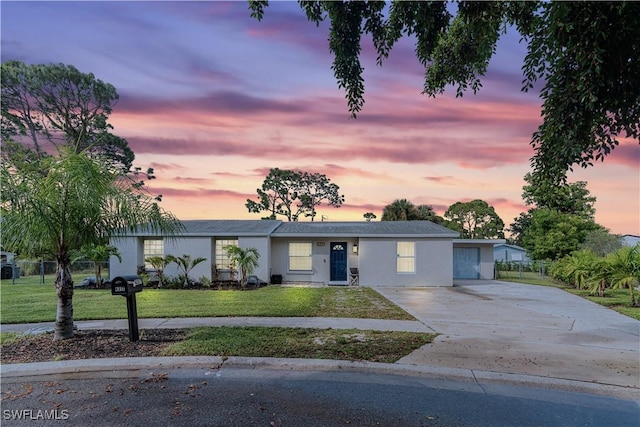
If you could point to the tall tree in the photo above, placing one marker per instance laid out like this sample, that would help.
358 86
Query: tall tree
67 202
585 53
47 106
315 188
567 198
553 235
475 220
570 197
293 193
399 210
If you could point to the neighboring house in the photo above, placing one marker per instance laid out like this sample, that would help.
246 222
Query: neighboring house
630 240
510 253
385 253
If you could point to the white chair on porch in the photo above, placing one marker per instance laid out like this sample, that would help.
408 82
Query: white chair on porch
354 277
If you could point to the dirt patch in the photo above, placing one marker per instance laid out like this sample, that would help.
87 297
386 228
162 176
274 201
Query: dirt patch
91 344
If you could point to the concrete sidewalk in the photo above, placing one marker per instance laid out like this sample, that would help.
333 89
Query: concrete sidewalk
490 330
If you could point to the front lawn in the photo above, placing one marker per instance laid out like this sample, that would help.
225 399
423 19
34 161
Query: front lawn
374 346
26 303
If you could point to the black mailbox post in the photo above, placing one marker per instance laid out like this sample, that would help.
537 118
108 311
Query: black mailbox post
129 286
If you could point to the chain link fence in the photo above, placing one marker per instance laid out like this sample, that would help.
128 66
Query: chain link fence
519 270
41 271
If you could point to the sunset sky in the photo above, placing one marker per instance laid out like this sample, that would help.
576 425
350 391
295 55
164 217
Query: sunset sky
212 99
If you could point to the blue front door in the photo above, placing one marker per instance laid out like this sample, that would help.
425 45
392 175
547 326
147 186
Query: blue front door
338 261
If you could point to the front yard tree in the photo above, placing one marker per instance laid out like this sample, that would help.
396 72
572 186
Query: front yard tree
475 220
293 193
48 106
584 54
98 254
246 259
67 202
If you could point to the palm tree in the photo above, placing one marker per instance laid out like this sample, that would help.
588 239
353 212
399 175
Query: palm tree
245 259
581 267
159 263
624 270
58 204
98 254
185 264
399 210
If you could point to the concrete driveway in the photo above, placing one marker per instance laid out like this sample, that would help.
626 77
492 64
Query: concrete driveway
523 329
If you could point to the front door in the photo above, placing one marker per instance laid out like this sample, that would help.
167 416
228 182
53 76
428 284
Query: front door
338 261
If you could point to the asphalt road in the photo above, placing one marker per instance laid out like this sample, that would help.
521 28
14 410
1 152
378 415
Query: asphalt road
273 397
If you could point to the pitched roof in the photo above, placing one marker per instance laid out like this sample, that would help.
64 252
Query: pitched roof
364 229
230 227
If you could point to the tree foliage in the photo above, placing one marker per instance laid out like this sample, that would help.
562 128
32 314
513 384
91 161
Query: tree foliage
64 203
553 235
601 242
294 193
98 254
586 55
570 197
185 264
48 106
244 258
405 210
475 220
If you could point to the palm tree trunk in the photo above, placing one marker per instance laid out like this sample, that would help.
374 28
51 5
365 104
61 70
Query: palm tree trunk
64 291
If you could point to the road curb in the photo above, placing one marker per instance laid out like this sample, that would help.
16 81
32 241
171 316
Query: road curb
145 366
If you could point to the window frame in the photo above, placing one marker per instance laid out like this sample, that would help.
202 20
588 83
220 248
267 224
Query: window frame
146 254
222 260
401 257
306 259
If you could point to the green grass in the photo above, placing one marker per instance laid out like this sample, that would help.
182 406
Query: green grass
375 346
615 299
26 303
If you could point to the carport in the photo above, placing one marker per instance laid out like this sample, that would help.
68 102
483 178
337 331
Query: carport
473 258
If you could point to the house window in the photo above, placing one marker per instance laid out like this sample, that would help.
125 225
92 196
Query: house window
152 248
406 260
300 256
222 258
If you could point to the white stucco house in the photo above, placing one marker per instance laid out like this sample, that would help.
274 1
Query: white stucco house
385 253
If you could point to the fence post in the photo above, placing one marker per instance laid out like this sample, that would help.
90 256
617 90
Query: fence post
42 271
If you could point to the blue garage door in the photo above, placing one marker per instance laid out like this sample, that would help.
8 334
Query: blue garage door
466 263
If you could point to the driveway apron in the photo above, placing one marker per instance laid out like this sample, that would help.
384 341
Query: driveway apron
523 329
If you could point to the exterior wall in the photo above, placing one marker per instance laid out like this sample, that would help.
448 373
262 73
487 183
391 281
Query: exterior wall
378 257
321 248
195 247
131 251
486 267
264 249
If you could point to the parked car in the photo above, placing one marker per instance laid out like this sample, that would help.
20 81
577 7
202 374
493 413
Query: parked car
91 283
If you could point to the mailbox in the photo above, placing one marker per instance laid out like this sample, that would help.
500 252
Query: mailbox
126 285
129 286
